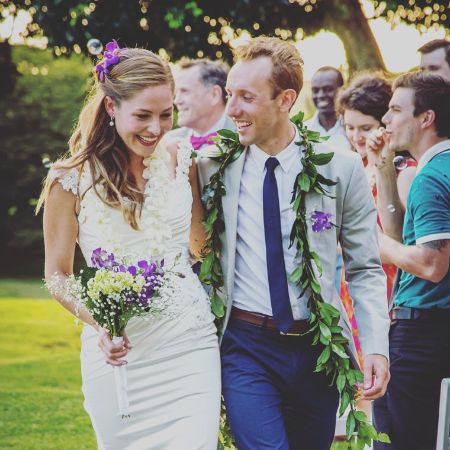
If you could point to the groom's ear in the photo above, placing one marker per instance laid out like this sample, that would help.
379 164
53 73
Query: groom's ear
287 99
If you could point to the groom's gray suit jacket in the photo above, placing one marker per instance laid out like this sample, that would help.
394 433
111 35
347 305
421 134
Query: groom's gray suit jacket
354 212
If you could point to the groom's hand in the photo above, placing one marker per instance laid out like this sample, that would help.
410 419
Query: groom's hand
376 376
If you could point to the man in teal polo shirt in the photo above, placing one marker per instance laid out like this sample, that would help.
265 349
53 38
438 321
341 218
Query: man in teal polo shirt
418 120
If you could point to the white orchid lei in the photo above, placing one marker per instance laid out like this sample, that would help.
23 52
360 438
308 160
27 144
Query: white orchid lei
154 215
155 208
154 222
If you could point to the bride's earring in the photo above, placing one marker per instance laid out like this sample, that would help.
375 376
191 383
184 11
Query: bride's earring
111 122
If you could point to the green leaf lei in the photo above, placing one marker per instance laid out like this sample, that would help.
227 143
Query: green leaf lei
324 318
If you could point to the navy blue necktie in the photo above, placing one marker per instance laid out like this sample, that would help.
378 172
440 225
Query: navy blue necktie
276 270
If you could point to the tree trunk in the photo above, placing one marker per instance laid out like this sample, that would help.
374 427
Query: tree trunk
8 72
347 20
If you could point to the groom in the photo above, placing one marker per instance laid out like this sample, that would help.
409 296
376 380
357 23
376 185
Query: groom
274 399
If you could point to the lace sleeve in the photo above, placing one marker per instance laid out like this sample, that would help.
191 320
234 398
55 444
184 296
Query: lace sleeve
184 159
68 178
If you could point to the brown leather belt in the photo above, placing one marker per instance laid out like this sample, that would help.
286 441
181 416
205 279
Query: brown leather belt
405 313
260 320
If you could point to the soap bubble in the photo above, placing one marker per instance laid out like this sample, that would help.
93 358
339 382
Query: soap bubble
46 162
94 46
391 208
400 162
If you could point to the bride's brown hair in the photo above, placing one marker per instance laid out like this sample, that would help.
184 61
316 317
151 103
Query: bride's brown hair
97 144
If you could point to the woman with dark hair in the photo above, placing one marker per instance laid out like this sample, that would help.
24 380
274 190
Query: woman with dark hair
124 190
362 104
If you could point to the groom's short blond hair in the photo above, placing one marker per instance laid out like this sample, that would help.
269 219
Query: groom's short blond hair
287 64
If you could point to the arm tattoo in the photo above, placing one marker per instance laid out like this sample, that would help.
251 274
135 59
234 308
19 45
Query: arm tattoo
437 245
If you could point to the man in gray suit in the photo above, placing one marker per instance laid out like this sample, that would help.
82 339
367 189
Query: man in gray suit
274 398
200 99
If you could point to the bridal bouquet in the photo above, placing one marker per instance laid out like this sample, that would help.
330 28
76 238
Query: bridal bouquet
114 292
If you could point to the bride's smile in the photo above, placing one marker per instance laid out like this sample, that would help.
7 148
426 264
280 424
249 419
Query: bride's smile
142 120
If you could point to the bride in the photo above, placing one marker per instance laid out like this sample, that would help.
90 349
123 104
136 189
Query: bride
123 191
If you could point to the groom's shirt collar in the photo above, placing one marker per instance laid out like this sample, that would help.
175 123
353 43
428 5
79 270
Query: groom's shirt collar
286 157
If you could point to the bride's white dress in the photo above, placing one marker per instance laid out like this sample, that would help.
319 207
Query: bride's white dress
173 367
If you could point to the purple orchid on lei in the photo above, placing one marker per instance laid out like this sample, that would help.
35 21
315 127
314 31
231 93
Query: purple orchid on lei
321 221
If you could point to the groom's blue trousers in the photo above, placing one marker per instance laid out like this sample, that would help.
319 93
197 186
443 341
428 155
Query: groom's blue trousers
274 399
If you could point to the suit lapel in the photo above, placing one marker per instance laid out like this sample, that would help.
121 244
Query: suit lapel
230 202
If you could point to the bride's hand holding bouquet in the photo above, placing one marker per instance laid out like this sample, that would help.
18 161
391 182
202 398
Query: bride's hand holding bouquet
114 292
114 353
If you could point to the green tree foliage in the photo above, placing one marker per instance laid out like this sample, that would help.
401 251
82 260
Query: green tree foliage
423 14
202 27
35 123
37 115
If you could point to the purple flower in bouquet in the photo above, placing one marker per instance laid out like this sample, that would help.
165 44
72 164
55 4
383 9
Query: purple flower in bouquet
321 221
133 270
102 259
112 285
148 268
153 274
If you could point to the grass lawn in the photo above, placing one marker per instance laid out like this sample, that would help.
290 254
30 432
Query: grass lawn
23 288
41 404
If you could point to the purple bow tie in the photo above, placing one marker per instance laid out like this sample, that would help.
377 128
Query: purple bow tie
198 141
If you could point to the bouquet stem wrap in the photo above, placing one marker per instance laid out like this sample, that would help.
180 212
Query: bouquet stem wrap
120 377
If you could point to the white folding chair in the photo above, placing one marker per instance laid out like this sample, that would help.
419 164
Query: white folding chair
443 440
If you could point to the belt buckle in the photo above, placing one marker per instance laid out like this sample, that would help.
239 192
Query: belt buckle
289 334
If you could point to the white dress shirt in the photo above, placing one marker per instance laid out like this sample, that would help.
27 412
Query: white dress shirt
219 125
251 285
338 138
